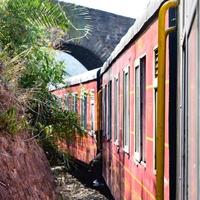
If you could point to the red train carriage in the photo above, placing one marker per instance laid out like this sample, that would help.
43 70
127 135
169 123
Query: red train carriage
130 104
129 98
188 102
81 96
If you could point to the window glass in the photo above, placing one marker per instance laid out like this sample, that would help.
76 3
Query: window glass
143 106
140 110
75 103
70 102
155 83
137 111
126 125
84 111
109 131
92 110
105 111
116 109
66 100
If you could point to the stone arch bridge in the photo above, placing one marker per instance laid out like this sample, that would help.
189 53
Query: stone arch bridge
106 30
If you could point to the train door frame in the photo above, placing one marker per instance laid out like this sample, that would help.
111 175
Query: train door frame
198 63
185 29
181 104
198 35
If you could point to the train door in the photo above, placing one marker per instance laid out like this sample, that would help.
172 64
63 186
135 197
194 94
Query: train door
188 102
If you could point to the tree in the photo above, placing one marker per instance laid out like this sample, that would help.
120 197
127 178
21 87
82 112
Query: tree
27 29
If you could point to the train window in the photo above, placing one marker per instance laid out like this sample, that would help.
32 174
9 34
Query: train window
109 131
92 110
140 102
66 101
155 85
84 111
59 101
137 113
71 102
126 110
105 110
75 104
143 106
116 106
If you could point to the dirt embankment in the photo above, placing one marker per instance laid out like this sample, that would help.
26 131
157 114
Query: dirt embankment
25 171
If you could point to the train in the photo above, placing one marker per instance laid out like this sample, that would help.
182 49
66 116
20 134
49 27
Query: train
141 108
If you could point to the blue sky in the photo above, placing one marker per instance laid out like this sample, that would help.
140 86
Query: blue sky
129 8
73 66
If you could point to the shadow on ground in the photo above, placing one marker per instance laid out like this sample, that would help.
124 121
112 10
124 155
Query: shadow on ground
83 173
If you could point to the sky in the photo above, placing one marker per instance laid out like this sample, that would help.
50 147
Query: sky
129 8
73 66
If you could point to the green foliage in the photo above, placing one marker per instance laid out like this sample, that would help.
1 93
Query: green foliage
26 23
11 123
52 124
42 13
30 68
42 69
51 120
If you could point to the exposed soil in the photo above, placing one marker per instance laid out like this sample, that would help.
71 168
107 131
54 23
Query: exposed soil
25 171
76 184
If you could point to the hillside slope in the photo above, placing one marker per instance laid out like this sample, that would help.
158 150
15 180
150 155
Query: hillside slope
25 171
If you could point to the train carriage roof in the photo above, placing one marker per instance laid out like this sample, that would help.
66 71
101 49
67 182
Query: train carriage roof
84 77
77 79
133 31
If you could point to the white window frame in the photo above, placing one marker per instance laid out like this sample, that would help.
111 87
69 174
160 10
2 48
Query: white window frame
92 112
137 154
75 102
155 86
71 101
104 101
66 101
109 110
84 115
116 109
126 147
143 161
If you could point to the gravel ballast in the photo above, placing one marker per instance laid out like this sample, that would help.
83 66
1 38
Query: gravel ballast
68 187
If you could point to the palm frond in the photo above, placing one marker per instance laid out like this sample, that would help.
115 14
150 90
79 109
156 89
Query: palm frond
48 14
43 13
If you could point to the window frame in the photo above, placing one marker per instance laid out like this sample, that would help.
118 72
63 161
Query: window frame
92 111
109 112
66 101
144 141
138 155
75 102
155 89
116 110
126 147
104 110
83 111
